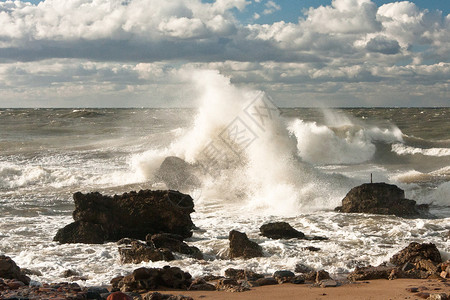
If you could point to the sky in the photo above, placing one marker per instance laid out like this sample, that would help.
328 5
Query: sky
146 53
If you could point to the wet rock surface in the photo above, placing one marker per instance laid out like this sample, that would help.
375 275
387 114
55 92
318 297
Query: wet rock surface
101 218
280 230
241 246
9 270
143 280
380 198
174 243
137 252
417 261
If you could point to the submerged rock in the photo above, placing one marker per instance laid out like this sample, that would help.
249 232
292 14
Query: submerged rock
101 218
177 174
241 246
9 270
173 242
380 198
137 252
280 230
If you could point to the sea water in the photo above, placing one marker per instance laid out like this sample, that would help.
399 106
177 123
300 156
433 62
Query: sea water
259 164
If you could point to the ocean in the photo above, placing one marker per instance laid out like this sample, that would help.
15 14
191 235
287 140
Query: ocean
259 164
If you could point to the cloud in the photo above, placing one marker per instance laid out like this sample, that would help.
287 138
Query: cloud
114 47
271 7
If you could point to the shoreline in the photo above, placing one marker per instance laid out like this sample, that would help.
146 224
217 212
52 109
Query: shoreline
381 289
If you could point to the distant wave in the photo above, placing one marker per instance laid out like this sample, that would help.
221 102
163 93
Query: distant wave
402 149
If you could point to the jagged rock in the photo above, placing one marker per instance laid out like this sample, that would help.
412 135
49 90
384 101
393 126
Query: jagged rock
174 243
241 246
200 284
283 276
240 274
9 270
159 296
415 253
316 276
266 281
230 285
380 198
301 268
101 218
328 283
137 252
369 273
146 279
177 174
280 230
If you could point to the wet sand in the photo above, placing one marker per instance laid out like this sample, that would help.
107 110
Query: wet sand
372 289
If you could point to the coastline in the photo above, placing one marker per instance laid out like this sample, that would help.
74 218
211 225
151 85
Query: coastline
381 289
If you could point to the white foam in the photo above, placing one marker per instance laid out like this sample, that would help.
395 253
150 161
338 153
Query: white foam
402 149
346 143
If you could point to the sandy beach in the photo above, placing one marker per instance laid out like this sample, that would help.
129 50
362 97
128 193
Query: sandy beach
372 289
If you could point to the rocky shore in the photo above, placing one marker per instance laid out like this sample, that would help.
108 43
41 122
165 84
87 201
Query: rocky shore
151 226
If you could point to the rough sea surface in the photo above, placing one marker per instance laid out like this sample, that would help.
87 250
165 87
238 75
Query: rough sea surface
261 164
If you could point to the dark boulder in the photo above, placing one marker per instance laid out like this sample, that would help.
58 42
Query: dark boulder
380 198
146 279
415 253
177 174
369 273
418 261
137 252
9 270
101 218
174 243
241 274
280 230
241 246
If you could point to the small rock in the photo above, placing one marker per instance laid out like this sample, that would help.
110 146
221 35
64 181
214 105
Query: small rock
241 246
266 281
118 296
412 289
440 296
328 283
423 295
301 268
283 276
312 249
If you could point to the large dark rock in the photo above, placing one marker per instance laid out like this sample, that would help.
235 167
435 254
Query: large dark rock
280 230
101 218
415 252
380 198
419 261
9 270
241 246
177 174
174 243
146 279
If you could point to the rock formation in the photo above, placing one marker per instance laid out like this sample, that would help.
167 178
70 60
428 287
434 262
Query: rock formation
280 230
380 198
9 270
101 218
241 246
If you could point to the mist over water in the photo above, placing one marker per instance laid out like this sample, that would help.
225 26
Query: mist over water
255 162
